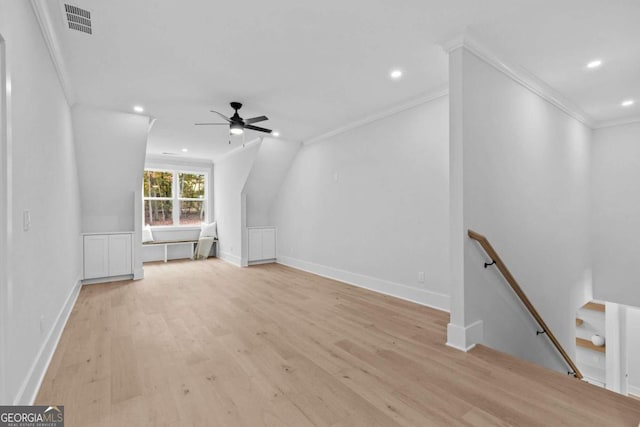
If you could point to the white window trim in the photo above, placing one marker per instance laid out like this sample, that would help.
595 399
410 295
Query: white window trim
176 200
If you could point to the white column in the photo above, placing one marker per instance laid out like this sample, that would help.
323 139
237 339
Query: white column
616 354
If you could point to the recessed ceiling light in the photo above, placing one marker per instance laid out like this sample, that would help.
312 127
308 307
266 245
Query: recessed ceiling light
395 74
628 103
594 64
138 109
184 150
275 133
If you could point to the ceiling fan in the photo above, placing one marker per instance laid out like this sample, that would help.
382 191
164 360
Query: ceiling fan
237 124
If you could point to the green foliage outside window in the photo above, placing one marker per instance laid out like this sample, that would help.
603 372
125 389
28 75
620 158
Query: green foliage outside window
160 196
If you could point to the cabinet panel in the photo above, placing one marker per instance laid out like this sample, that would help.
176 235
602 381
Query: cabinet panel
255 244
119 254
268 243
96 256
107 255
262 243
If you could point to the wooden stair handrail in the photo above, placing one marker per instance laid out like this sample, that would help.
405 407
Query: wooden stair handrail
484 242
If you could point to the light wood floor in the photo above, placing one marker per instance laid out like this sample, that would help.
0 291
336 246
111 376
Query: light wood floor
206 343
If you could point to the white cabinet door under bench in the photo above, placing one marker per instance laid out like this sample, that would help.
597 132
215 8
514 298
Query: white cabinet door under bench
262 244
107 257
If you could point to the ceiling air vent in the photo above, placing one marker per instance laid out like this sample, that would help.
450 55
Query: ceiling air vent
78 19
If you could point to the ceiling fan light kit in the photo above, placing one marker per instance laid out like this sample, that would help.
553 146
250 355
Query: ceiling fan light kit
237 124
235 129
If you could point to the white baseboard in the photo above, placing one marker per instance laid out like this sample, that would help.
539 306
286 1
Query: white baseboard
593 381
31 384
634 390
397 290
108 279
138 273
464 338
264 261
230 258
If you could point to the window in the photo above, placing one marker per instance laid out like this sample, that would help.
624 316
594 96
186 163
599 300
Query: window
174 198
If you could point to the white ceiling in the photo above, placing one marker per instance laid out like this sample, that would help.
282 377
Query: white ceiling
313 67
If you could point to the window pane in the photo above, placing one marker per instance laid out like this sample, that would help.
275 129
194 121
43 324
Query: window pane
191 212
158 212
157 184
191 186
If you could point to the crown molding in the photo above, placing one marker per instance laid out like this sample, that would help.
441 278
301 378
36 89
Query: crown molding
46 23
519 75
432 96
152 121
455 43
617 122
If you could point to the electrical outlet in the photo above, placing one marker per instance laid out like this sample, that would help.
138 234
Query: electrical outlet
336 176
421 276
42 323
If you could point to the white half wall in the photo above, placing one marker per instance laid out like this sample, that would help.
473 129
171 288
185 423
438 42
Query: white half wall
524 167
111 150
370 206
229 177
615 220
45 258
633 350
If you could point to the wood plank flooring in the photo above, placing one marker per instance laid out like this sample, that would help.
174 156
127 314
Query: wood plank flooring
209 344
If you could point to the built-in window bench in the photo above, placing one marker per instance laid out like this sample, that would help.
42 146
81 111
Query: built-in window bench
190 243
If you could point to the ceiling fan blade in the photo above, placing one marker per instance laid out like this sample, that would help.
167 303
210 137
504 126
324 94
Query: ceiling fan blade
259 129
209 124
256 120
222 115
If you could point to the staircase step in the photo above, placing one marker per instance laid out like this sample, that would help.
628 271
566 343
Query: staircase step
581 342
579 321
594 306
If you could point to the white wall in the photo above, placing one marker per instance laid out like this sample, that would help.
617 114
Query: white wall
111 150
370 206
267 174
45 260
615 211
525 184
229 177
4 215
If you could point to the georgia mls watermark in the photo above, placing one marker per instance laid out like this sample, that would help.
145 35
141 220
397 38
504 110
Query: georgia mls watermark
32 416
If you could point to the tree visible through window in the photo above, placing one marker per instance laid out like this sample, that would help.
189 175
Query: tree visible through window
191 198
174 198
